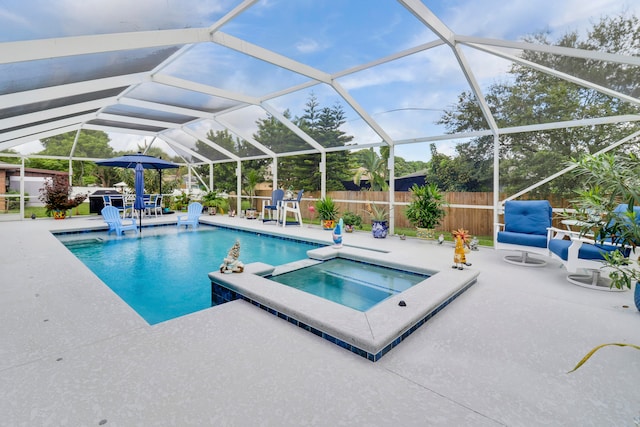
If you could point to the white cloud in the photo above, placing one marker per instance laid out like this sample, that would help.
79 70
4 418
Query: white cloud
307 45
29 147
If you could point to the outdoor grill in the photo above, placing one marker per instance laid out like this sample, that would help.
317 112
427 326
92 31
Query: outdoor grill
96 202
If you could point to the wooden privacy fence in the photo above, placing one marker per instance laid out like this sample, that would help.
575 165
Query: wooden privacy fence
472 211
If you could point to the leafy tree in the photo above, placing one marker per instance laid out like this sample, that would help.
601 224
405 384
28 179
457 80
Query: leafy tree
322 124
532 97
90 144
403 167
12 160
224 174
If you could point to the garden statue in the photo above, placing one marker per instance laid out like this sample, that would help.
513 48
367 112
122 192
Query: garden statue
473 245
231 262
461 237
337 234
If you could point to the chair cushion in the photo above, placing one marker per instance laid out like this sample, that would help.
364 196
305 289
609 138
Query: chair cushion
523 239
587 251
528 217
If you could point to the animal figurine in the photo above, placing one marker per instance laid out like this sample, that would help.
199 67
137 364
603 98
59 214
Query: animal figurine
473 245
337 234
231 263
461 239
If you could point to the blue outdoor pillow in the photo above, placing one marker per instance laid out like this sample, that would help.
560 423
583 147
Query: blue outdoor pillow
527 216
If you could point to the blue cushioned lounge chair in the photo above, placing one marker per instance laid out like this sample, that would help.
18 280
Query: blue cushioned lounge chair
578 252
525 229
193 215
111 216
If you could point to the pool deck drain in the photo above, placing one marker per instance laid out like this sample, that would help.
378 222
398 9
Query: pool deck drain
370 334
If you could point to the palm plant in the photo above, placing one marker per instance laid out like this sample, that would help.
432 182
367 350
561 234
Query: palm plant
377 213
375 167
611 180
327 212
252 178
327 209
426 208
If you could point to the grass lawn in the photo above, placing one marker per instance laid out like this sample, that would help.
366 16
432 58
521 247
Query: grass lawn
41 211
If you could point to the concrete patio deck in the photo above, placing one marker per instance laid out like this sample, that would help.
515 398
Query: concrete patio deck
74 354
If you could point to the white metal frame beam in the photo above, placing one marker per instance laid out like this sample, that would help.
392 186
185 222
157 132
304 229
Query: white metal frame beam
198 136
32 50
71 89
556 50
559 74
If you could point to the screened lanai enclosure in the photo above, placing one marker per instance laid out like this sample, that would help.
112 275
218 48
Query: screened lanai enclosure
213 84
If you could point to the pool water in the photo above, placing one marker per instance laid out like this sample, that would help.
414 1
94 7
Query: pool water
354 284
164 274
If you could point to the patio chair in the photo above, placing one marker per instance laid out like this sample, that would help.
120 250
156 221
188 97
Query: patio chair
111 216
127 206
191 218
154 205
292 206
116 201
525 229
583 257
272 207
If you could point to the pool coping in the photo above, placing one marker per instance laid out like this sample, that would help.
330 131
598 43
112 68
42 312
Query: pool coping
371 333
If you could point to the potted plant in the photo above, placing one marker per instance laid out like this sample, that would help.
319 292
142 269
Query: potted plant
181 201
215 203
351 220
613 179
56 196
208 202
327 212
426 210
379 220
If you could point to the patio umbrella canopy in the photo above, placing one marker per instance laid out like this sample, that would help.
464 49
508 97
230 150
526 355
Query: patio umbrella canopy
131 160
139 162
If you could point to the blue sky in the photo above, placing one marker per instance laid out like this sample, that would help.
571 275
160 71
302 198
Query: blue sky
406 97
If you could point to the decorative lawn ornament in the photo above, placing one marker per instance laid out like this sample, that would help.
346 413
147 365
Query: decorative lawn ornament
474 244
337 234
231 263
461 238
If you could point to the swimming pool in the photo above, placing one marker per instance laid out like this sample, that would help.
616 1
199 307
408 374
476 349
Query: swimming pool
163 275
353 284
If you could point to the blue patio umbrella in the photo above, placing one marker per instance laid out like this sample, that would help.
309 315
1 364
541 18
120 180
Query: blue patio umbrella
138 204
130 161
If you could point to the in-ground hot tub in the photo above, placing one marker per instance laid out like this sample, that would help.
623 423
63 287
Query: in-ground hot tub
370 333
355 284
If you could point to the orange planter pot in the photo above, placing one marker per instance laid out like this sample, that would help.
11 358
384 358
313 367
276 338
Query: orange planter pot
328 224
59 214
